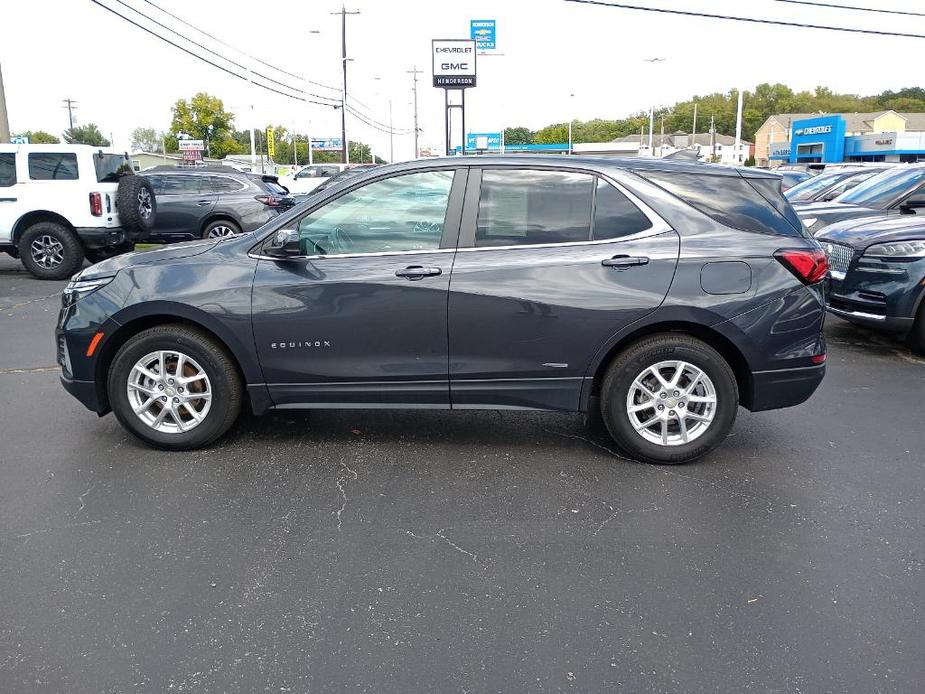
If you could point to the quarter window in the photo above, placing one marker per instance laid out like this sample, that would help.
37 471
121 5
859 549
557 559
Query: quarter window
7 169
402 213
48 166
224 184
527 207
615 215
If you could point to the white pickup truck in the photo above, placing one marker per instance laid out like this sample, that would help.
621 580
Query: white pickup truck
62 203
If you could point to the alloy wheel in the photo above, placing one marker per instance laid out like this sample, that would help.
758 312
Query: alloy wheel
220 231
47 251
144 203
671 403
169 391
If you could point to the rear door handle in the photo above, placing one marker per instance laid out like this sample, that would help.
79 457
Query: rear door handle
625 261
418 272
203 203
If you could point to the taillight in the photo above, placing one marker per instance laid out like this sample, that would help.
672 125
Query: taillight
809 264
96 204
270 200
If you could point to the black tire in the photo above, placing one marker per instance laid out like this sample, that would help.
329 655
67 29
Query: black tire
223 225
137 203
50 251
632 362
215 361
98 255
916 337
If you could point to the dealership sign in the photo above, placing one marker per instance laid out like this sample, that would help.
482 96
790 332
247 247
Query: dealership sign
453 63
817 130
191 145
327 144
483 141
483 32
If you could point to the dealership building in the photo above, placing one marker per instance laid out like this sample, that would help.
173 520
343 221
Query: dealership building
809 138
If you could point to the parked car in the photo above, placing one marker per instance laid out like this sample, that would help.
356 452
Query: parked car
62 203
310 177
877 268
829 185
899 190
666 293
208 202
792 178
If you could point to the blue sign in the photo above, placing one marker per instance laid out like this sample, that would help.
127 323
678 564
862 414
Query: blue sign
483 141
328 144
483 32
819 139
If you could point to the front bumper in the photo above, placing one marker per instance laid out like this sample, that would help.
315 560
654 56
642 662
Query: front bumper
86 392
878 294
772 390
873 320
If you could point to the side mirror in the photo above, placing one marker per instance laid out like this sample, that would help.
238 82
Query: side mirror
913 203
284 244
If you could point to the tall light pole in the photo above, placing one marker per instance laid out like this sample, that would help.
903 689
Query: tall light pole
4 120
738 147
652 61
391 128
415 72
345 150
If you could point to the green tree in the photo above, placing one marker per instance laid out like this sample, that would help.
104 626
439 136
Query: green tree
88 134
146 140
518 136
39 137
204 118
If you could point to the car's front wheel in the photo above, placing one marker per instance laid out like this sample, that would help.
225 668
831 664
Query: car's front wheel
174 387
669 398
219 229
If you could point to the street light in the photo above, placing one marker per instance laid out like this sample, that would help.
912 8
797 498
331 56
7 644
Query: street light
652 61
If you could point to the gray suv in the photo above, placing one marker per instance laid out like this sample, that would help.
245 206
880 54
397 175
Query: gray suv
210 202
664 293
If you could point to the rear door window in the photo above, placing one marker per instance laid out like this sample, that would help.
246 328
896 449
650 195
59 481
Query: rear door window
50 166
615 215
7 169
523 207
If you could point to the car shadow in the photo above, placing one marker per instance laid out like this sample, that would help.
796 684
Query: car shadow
861 340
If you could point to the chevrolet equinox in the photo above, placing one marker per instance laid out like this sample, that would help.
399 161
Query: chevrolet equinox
665 293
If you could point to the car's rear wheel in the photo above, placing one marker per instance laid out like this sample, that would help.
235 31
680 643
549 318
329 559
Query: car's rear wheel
50 251
669 398
219 229
174 387
917 334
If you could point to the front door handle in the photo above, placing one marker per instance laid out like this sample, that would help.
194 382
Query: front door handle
418 272
625 261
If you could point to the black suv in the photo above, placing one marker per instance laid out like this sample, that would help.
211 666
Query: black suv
668 293
210 202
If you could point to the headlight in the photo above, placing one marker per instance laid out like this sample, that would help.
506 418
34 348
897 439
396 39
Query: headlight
897 249
78 288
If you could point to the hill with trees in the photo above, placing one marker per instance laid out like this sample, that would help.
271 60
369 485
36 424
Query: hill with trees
764 101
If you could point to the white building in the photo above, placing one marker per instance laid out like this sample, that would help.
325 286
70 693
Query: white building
719 148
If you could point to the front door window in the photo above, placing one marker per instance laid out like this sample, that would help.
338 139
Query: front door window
402 213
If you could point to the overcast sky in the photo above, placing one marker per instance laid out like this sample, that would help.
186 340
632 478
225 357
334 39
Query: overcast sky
548 49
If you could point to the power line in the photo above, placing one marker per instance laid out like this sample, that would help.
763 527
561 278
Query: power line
204 59
753 20
254 58
373 124
852 7
229 60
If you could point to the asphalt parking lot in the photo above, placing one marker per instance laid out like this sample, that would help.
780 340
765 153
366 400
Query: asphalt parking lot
460 552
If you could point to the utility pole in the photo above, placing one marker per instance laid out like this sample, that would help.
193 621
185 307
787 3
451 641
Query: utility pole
415 72
738 148
71 106
4 120
661 144
345 150
712 138
694 133
391 136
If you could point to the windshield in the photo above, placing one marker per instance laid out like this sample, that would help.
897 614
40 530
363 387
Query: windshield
107 166
808 189
879 191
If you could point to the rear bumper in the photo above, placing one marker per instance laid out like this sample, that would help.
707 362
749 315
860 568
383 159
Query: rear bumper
93 237
772 390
